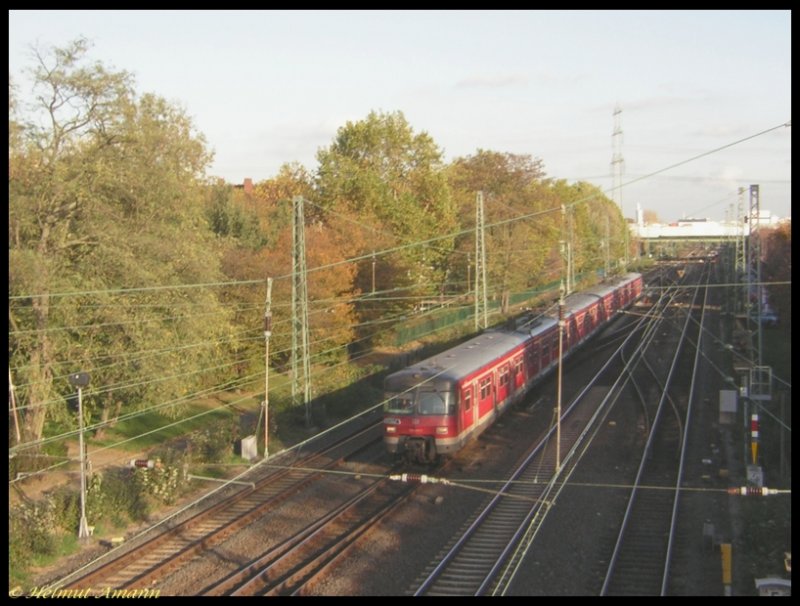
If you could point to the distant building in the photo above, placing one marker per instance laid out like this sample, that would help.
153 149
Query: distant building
700 227
247 186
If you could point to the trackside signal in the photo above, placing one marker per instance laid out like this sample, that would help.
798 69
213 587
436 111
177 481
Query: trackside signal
145 463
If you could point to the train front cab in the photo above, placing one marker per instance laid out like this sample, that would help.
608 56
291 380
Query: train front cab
420 420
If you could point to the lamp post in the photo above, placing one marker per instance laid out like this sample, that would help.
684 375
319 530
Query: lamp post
81 380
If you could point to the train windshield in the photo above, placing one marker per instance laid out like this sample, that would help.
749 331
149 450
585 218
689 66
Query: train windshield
401 403
432 403
420 402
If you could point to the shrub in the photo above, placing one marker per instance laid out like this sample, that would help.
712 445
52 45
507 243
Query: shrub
65 505
31 532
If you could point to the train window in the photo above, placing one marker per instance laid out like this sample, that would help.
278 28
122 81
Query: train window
432 403
467 399
518 365
486 388
504 376
402 403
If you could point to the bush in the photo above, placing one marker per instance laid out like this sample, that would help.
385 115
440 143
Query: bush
113 495
66 508
31 533
215 443
162 483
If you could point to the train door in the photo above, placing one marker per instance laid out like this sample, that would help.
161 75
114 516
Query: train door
534 359
503 383
586 327
517 373
486 396
469 411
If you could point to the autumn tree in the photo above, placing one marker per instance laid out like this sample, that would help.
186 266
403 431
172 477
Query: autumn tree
330 278
594 226
518 212
106 209
390 180
777 245
230 220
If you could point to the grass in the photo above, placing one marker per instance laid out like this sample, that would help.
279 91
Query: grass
152 429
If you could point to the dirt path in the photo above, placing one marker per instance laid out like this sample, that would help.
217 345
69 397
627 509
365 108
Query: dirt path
35 486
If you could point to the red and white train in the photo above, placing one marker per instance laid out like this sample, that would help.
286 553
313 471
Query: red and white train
434 407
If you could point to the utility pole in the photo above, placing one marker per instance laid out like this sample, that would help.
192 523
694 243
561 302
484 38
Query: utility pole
570 261
12 401
267 335
741 256
617 162
300 352
560 365
617 170
481 313
469 272
81 380
755 261
564 249
608 248
373 272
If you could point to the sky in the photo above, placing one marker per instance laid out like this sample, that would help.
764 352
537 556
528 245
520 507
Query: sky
266 88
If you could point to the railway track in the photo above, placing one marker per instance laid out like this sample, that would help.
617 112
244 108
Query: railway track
302 560
643 550
489 550
487 554
155 556
481 555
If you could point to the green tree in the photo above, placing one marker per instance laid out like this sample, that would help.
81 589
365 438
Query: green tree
47 183
230 220
594 225
390 181
106 195
518 213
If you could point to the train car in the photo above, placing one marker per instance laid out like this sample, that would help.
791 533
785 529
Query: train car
433 408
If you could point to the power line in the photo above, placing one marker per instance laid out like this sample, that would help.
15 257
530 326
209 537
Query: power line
405 246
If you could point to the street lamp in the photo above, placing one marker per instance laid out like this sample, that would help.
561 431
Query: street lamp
81 380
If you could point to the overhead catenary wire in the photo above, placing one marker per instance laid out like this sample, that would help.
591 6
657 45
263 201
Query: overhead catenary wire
254 282
110 388
190 396
131 360
428 241
154 408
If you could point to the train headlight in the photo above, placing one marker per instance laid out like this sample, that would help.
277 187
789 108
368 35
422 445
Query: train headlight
391 429
441 431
